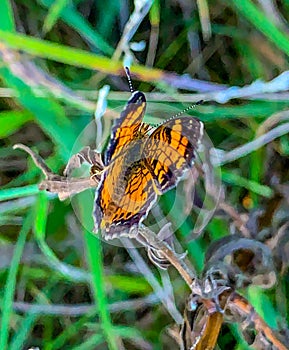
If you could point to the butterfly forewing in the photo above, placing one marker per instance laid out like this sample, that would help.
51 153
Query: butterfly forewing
126 126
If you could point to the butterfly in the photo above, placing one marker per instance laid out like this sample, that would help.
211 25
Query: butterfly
139 165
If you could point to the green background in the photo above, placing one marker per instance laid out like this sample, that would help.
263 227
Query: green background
62 287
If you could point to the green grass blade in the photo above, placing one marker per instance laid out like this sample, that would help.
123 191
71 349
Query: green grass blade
259 20
24 329
17 192
72 56
256 171
128 332
263 305
41 216
11 121
94 252
95 261
53 14
70 331
130 284
90 343
108 14
72 18
11 282
6 16
250 185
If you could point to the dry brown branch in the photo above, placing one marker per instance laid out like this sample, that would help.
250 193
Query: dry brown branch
239 306
238 220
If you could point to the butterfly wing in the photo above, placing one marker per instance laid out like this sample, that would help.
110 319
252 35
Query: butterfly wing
126 126
170 150
124 198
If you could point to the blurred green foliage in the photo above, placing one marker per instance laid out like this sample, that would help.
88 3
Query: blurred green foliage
55 56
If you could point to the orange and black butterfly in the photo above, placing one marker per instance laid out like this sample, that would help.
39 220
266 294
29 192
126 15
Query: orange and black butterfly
139 165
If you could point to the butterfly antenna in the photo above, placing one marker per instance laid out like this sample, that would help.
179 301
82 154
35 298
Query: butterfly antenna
189 108
127 72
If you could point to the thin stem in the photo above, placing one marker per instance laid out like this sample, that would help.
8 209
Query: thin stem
168 253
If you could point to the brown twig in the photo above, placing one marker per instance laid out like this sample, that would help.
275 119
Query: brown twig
240 306
239 222
168 253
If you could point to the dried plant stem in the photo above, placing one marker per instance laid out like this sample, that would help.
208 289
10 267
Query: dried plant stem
238 304
168 253
238 220
235 303
249 147
211 332
82 309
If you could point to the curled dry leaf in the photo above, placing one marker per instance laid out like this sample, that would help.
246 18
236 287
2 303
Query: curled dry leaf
244 261
65 186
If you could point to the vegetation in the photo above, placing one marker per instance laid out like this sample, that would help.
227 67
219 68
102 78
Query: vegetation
62 84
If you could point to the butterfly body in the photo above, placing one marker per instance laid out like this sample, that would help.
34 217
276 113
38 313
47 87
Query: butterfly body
140 165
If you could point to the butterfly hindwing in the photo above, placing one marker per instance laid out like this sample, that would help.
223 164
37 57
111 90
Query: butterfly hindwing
171 149
124 197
